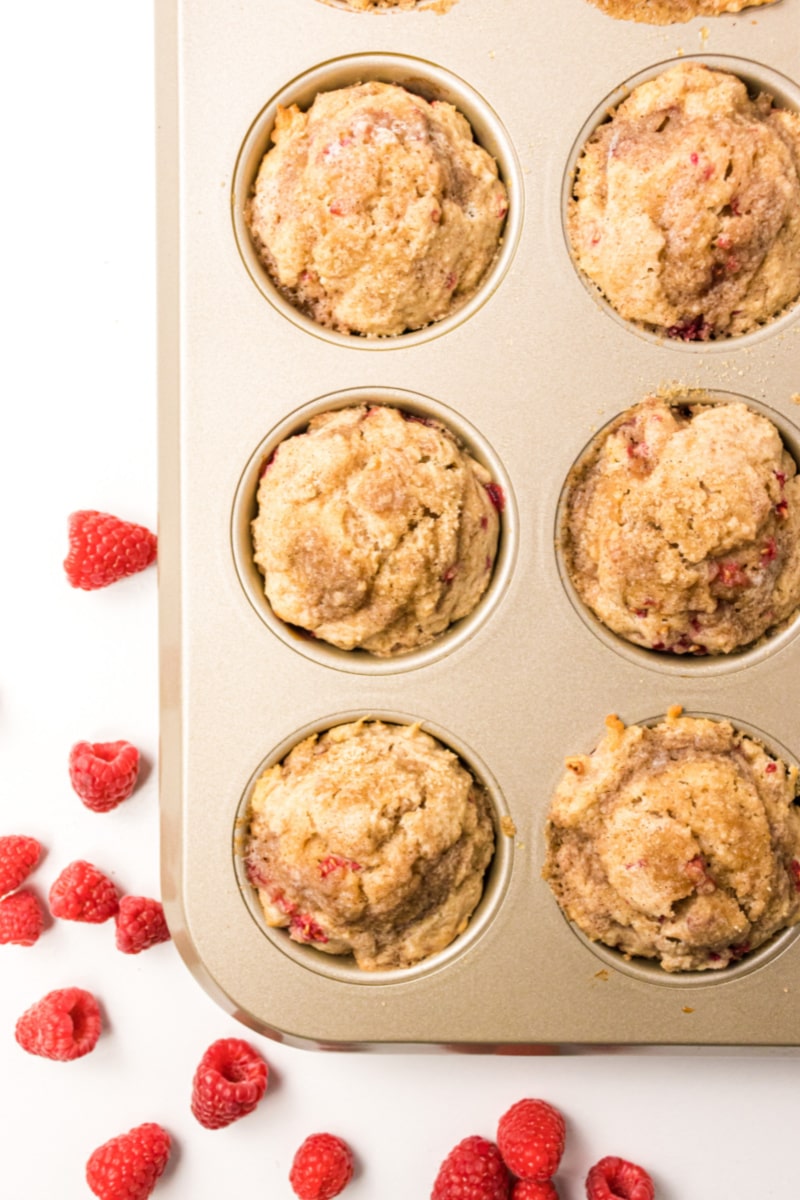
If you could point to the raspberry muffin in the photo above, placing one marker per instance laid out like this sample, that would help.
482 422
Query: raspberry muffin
669 12
678 842
370 840
682 527
686 206
375 529
376 212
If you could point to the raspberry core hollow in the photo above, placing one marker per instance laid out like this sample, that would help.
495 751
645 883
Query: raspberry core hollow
376 212
686 206
682 526
678 842
375 529
370 839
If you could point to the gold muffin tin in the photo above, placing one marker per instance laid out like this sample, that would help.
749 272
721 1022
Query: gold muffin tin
526 373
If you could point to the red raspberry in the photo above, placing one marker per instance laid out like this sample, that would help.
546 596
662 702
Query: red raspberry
103 773
531 1139
63 1025
140 924
531 1189
128 1167
82 893
228 1084
21 919
103 549
322 1167
615 1179
18 856
473 1170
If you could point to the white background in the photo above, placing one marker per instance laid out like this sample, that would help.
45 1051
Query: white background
79 431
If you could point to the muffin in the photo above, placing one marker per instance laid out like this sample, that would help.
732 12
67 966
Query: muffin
376 212
370 840
678 842
685 210
375 529
667 12
682 527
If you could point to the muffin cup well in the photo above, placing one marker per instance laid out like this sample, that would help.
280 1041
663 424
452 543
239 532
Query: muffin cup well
648 970
343 968
758 78
415 75
696 666
360 661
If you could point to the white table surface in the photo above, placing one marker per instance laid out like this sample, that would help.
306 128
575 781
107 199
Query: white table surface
79 431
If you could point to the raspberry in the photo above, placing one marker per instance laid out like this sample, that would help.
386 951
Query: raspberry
82 893
21 919
615 1179
103 549
103 773
322 1167
63 1025
140 924
531 1139
128 1167
473 1170
228 1084
530 1189
18 856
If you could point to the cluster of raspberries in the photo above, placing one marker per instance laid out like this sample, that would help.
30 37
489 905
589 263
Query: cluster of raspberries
521 1163
65 1024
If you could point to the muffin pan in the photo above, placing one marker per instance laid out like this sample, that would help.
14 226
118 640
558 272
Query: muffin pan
526 374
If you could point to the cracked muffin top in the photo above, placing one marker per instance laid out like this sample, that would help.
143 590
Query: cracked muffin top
375 529
686 206
668 12
376 212
678 842
370 839
682 527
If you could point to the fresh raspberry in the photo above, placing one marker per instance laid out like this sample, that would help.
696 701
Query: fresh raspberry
103 549
63 1025
228 1084
322 1167
128 1167
103 773
473 1170
82 893
140 924
21 919
531 1139
531 1189
18 856
615 1179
